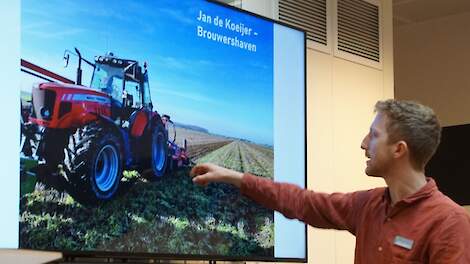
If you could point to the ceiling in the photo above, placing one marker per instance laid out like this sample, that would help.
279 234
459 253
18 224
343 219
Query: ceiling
415 11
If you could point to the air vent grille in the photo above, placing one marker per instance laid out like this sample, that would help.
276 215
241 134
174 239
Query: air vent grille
358 28
309 15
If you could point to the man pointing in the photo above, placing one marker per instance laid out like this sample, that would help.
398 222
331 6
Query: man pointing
409 221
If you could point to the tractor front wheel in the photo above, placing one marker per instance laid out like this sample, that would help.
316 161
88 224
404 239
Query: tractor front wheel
96 168
105 169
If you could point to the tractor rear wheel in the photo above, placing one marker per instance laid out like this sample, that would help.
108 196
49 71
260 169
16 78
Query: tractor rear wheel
158 152
96 165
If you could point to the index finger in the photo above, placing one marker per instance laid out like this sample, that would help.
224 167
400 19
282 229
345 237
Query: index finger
199 169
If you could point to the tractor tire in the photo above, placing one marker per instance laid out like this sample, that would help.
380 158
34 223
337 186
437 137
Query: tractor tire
158 152
95 167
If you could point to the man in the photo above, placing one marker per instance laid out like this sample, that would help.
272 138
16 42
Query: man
165 119
410 221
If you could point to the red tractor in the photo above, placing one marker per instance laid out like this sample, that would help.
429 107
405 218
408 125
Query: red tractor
91 134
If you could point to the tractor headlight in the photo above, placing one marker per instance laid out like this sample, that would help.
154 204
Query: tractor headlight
45 113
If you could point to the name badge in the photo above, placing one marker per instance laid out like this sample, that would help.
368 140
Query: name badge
403 242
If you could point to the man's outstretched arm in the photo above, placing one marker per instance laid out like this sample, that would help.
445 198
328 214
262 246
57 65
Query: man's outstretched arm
337 211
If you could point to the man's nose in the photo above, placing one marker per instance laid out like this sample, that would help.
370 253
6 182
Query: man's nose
364 142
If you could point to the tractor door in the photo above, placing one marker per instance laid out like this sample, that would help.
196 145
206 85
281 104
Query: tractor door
132 94
139 115
132 91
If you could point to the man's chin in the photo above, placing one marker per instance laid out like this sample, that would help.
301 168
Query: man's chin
372 173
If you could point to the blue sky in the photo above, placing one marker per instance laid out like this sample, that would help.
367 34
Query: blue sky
197 81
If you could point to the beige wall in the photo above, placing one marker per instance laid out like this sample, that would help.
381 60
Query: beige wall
432 65
340 96
265 8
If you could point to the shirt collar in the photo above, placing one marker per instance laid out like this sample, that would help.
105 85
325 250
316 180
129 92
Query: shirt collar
425 191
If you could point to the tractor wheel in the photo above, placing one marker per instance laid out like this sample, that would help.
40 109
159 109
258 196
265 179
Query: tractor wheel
95 166
158 151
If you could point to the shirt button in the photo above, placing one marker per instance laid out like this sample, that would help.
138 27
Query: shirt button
389 219
379 249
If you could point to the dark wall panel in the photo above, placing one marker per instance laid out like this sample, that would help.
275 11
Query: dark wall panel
450 166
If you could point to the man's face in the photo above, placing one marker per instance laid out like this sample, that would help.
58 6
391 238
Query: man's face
377 148
164 120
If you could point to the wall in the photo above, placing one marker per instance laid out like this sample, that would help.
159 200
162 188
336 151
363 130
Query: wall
432 65
265 8
432 61
340 99
341 95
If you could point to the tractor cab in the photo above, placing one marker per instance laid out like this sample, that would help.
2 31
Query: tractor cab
124 80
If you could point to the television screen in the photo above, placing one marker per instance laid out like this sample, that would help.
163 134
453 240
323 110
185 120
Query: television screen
119 99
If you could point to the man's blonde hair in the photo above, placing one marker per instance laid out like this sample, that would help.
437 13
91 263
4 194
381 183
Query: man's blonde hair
415 124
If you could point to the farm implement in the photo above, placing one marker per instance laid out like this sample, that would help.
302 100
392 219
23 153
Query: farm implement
85 137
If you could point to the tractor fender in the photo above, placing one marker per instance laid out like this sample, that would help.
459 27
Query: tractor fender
139 121
122 135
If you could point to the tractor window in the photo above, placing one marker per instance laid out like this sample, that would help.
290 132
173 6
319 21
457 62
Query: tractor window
147 100
133 91
108 80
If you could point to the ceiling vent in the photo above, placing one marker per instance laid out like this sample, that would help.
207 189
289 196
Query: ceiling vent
309 15
358 28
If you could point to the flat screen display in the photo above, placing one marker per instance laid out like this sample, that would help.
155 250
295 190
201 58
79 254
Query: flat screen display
120 99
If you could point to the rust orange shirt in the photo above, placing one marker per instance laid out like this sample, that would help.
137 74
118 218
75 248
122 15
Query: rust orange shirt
426 227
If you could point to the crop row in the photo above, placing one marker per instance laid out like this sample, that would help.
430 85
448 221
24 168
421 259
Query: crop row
257 161
197 151
242 157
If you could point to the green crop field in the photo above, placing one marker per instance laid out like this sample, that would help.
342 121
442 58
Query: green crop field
243 157
168 216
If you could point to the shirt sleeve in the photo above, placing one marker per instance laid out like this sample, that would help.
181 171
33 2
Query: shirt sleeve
450 243
334 211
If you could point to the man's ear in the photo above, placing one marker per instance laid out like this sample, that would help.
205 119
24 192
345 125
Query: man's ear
401 149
